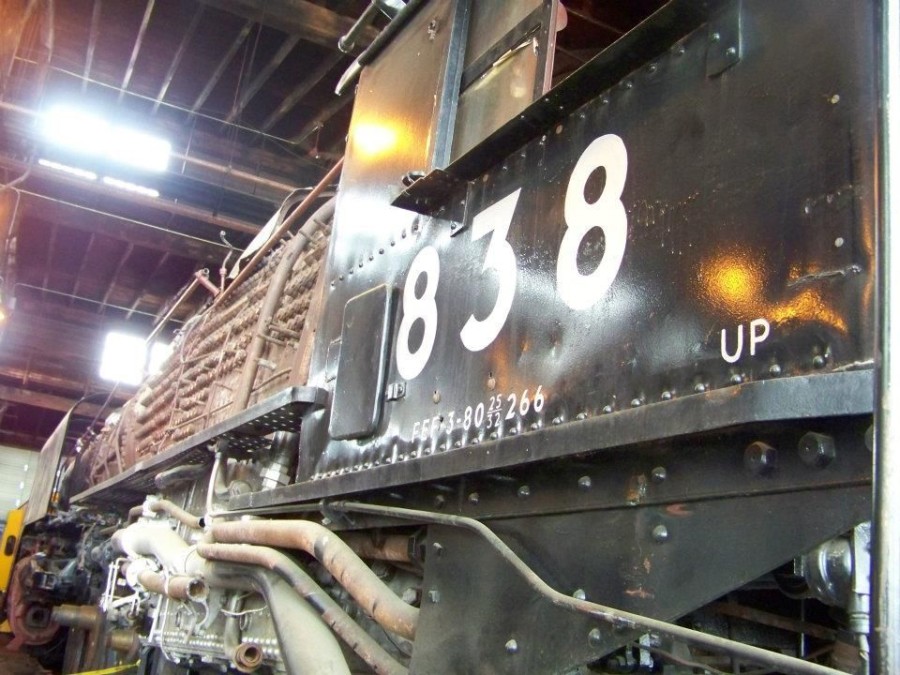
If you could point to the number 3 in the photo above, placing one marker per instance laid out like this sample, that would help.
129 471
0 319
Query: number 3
577 290
478 334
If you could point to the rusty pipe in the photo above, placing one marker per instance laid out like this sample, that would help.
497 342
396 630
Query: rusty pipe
393 548
181 587
169 508
297 625
366 647
379 601
273 297
283 229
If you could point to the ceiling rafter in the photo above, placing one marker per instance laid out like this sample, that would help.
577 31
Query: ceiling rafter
96 11
223 64
179 54
301 90
138 42
253 88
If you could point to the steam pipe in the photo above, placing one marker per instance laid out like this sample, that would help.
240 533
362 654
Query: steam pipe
292 616
170 509
379 601
283 229
393 548
273 297
174 587
331 613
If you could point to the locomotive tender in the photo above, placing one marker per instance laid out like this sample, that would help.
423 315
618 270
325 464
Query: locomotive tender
564 379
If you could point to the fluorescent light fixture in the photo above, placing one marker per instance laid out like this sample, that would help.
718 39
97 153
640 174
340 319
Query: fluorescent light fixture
71 170
93 136
123 358
130 187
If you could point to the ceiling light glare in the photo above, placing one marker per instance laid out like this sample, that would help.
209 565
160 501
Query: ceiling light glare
123 358
71 170
90 135
130 187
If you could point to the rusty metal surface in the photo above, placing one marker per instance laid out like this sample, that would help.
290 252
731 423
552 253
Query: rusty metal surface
196 388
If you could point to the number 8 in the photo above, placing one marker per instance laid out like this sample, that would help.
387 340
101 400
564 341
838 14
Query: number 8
580 291
409 363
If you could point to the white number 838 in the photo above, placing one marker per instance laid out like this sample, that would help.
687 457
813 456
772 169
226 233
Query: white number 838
578 291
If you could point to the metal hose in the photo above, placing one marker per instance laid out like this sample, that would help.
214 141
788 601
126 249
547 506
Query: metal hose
379 601
332 614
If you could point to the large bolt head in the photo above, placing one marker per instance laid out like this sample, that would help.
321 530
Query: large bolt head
760 458
816 449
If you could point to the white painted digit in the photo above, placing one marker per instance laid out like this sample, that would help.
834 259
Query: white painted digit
424 308
581 291
478 334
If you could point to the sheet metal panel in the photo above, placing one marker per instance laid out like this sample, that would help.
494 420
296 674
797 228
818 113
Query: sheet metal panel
746 253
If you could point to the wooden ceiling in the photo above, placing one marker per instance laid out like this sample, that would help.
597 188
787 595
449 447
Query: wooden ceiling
243 91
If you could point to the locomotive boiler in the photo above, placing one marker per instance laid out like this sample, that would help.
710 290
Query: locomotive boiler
564 379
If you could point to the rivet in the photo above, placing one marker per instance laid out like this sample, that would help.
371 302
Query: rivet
474 498
607 409
652 67
731 51
737 378
534 426
838 242
434 596
491 382
595 638
579 594
660 533
436 396
523 492
635 402
493 436
666 396
679 50
371 257
381 251
659 474
581 416
585 482
818 361
439 501
774 369
438 549
699 387
511 647
557 420
715 37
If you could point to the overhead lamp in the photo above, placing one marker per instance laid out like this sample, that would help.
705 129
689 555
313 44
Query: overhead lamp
90 135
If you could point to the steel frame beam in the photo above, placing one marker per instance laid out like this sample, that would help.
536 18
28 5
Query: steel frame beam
179 54
223 64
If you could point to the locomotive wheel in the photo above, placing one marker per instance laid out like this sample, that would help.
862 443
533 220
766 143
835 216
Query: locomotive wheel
29 613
